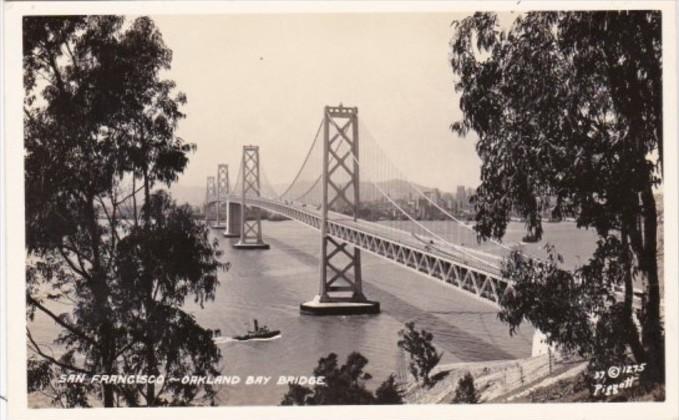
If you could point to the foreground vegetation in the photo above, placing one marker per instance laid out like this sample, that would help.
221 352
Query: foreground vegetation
569 105
100 138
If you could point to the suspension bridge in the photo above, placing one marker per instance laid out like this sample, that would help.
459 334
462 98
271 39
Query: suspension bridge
328 195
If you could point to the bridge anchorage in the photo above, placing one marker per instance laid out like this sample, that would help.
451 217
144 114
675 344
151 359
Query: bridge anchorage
341 289
250 216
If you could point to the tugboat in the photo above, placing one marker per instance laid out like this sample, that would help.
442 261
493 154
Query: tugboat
530 238
259 333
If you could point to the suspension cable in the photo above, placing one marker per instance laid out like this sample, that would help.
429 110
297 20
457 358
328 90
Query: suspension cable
441 209
306 159
318 179
454 246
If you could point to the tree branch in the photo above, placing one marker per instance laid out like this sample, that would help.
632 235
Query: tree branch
60 321
73 59
109 217
124 349
57 74
37 349
79 256
130 195
72 264
632 332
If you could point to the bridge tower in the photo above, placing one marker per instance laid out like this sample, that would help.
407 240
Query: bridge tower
222 190
250 217
341 289
231 225
210 193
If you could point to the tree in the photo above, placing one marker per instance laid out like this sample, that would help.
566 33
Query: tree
159 265
389 392
423 354
466 391
343 385
97 119
569 105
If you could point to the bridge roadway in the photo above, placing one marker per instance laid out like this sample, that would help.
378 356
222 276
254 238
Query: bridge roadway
480 279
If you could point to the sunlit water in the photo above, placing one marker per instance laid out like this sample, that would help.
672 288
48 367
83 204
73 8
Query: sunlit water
270 284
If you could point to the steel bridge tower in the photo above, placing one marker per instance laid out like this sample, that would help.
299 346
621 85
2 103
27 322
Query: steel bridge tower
250 217
341 288
210 193
222 191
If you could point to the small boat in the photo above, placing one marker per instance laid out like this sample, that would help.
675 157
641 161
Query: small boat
530 238
258 333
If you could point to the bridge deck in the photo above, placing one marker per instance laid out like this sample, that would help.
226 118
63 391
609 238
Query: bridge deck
478 278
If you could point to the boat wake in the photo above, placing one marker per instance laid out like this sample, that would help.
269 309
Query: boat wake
224 340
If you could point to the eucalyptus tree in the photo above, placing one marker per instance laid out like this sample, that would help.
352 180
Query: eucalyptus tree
345 384
100 128
569 105
423 355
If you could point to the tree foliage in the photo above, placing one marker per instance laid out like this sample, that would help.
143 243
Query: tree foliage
423 355
389 392
466 392
591 320
569 105
343 385
99 132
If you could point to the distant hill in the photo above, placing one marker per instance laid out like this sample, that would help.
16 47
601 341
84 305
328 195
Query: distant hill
396 188
193 195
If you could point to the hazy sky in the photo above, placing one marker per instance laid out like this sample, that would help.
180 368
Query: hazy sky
264 79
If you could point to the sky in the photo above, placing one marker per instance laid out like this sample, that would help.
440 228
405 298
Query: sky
264 80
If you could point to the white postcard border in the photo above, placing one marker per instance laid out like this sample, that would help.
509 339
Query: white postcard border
14 213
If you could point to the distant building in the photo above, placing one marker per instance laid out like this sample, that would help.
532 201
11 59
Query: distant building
461 195
433 195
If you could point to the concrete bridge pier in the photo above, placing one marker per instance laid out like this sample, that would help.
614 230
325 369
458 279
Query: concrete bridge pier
232 220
